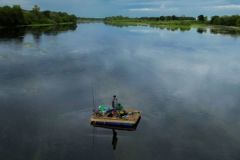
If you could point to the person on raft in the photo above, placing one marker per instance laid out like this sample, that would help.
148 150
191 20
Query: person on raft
117 108
114 102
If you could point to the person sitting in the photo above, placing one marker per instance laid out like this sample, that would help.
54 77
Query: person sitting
114 102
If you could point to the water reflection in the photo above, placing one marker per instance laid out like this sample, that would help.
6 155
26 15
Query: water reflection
114 139
114 131
201 30
186 84
162 27
173 28
18 33
232 31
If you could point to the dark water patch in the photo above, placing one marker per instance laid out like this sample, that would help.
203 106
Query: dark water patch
18 33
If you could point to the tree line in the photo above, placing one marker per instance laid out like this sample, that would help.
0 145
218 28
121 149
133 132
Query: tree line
15 15
233 20
226 20
161 18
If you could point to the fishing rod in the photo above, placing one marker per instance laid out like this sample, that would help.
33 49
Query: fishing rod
93 98
93 109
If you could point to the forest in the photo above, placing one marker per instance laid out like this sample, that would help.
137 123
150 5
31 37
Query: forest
16 16
233 20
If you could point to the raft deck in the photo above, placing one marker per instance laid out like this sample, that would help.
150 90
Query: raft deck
129 122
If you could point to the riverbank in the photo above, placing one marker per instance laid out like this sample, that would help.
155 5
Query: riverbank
171 24
90 20
16 16
174 21
183 25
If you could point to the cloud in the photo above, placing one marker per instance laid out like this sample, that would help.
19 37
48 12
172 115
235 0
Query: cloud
162 7
144 3
143 9
227 7
223 9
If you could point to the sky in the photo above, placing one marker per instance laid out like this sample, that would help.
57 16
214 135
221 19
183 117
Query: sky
134 8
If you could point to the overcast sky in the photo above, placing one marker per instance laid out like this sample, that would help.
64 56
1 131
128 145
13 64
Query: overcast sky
103 8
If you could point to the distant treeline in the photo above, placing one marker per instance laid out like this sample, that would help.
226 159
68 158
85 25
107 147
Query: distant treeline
161 18
226 20
233 20
15 15
90 19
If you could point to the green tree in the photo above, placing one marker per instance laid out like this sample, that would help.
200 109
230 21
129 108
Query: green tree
215 20
238 22
174 17
46 14
162 18
201 18
36 13
36 9
18 15
11 16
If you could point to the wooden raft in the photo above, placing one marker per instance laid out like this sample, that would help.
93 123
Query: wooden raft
130 121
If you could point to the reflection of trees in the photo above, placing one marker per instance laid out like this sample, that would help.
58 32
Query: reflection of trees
201 30
226 31
170 28
173 28
184 28
18 33
216 30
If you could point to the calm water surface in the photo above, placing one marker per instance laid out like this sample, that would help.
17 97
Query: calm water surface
186 84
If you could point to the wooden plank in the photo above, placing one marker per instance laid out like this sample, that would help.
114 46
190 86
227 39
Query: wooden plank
132 118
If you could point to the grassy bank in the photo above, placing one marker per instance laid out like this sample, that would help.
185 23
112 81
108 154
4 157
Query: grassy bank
173 21
173 25
153 22
170 23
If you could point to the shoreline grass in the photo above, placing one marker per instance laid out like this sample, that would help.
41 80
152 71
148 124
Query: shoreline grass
171 23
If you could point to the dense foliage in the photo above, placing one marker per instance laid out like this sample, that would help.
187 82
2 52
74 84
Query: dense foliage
15 15
152 21
202 18
161 18
233 20
90 19
226 20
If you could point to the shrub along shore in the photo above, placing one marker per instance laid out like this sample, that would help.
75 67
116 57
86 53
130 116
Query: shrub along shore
16 16
200 21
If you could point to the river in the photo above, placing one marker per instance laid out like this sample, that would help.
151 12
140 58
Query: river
186 83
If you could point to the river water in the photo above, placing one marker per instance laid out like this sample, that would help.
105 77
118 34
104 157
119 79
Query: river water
186 83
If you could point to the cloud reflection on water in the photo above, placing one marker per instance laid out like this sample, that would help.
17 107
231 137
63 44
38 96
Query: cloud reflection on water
186 84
